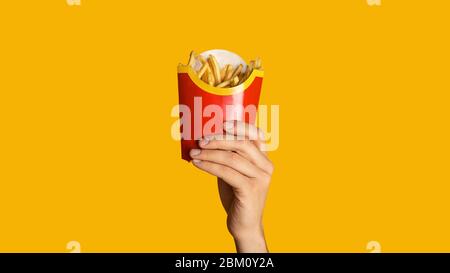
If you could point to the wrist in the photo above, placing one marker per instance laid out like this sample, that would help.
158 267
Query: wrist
250 241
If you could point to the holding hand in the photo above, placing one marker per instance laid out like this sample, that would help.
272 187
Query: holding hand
244 172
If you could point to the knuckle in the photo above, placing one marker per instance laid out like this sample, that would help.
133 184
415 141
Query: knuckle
243 144
212 144
215 167
217 144
204 154
270 168
259 187
222 157
233 156
265 178
222 170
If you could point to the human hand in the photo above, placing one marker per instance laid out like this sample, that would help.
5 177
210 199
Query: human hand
244 172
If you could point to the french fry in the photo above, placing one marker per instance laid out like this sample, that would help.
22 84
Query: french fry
202 70
228 72
249 69
247 72
205 76
241 77
201 59
192 59
223 84
204 62
215 68
210 78
258 63
223 73
235 81
237 71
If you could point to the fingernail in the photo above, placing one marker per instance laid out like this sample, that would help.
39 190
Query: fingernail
204 142
228 125
195 152
196 161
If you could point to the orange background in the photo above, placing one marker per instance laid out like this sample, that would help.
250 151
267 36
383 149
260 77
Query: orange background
85 147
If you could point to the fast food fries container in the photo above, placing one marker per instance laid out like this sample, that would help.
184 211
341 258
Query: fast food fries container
204 108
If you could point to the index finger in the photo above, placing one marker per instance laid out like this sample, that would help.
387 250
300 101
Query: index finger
245 130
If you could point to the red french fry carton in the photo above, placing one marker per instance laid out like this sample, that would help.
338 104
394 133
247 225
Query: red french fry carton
204 108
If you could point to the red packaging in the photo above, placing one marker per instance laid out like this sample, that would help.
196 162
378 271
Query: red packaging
205 103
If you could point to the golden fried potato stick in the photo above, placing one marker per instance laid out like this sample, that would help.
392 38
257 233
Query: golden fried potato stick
228 72
235 81
237 71
201 59
241 78
258 63
227 83
205 76
204 62
202 70
215 68
251 65
192 59
223 73
223 84
210 78
247 72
